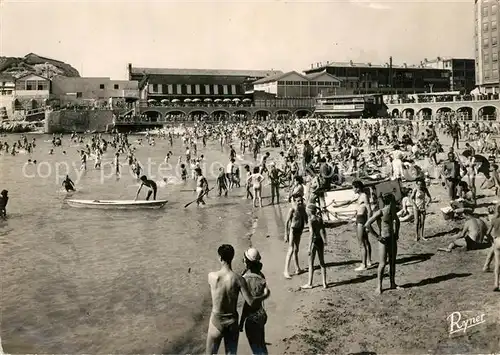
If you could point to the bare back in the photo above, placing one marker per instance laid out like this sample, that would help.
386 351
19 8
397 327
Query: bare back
476 229
225 289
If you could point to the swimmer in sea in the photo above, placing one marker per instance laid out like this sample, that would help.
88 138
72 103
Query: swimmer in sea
150 184
225 287
68 184
4 198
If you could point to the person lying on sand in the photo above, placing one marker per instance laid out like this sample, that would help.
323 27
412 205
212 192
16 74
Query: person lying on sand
494 232
472 236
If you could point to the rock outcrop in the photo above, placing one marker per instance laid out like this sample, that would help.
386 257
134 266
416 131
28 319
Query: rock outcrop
33 63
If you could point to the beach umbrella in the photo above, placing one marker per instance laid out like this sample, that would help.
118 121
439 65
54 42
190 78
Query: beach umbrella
217 100
208 100
187 100
176 100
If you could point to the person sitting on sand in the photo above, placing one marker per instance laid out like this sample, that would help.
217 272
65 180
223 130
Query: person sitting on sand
473 235
388 239
68 184
317 243
494 233
406 213
225 286
150 184
465 201
4 199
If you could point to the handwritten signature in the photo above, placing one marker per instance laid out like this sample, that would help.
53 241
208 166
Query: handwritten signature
458 323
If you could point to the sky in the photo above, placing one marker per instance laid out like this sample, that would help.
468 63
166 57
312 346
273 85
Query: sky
99 38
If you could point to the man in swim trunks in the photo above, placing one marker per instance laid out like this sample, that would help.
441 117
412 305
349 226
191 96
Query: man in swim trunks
472 236
295 223
225 286
150 184
4 198
494 233
201 186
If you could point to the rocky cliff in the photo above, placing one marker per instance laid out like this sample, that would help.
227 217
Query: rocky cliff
33 63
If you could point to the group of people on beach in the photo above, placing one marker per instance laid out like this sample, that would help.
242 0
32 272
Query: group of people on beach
314 158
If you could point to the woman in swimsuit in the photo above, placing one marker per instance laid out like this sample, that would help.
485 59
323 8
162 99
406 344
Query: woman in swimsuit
256 180
420 203
317 244
389 235
254 318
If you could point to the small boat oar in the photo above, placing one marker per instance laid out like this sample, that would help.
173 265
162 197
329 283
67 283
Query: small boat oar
206 192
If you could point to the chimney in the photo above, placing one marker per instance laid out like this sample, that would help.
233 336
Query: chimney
312 65
327 62
405 65
351 63
129 71
439 59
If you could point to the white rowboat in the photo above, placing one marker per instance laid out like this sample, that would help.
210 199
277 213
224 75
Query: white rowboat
116 204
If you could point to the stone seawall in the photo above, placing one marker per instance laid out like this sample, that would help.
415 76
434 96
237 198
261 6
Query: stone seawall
80 121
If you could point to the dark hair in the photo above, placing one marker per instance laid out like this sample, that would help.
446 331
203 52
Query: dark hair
144 178
226 253
256 170
299 179
388 198
358 184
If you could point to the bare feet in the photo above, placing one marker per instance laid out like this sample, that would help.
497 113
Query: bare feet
486 269
325 286
444 249
496 289
306 287
360 268
299 272
396 287
378 291
287 275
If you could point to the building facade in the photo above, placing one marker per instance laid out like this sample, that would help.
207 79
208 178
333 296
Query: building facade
367 78
83 91
462 72
195 84
294 84
487 49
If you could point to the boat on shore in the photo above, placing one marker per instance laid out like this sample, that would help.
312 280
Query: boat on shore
116 204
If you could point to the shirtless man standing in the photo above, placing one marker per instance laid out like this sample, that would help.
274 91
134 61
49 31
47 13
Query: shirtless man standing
201 186
494 232
295 223
472 236
225 286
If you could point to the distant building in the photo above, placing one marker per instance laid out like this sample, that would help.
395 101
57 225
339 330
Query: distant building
294 84
88 90
7 84
462 72
366 78
195 84
487 33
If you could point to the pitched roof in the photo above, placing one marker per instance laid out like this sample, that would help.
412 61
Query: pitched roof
214 72
31 74
313 76
277 77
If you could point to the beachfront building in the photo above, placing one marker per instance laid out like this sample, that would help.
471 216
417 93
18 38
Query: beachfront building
462 72
94 92
366 78
487 48
294 84
187 85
